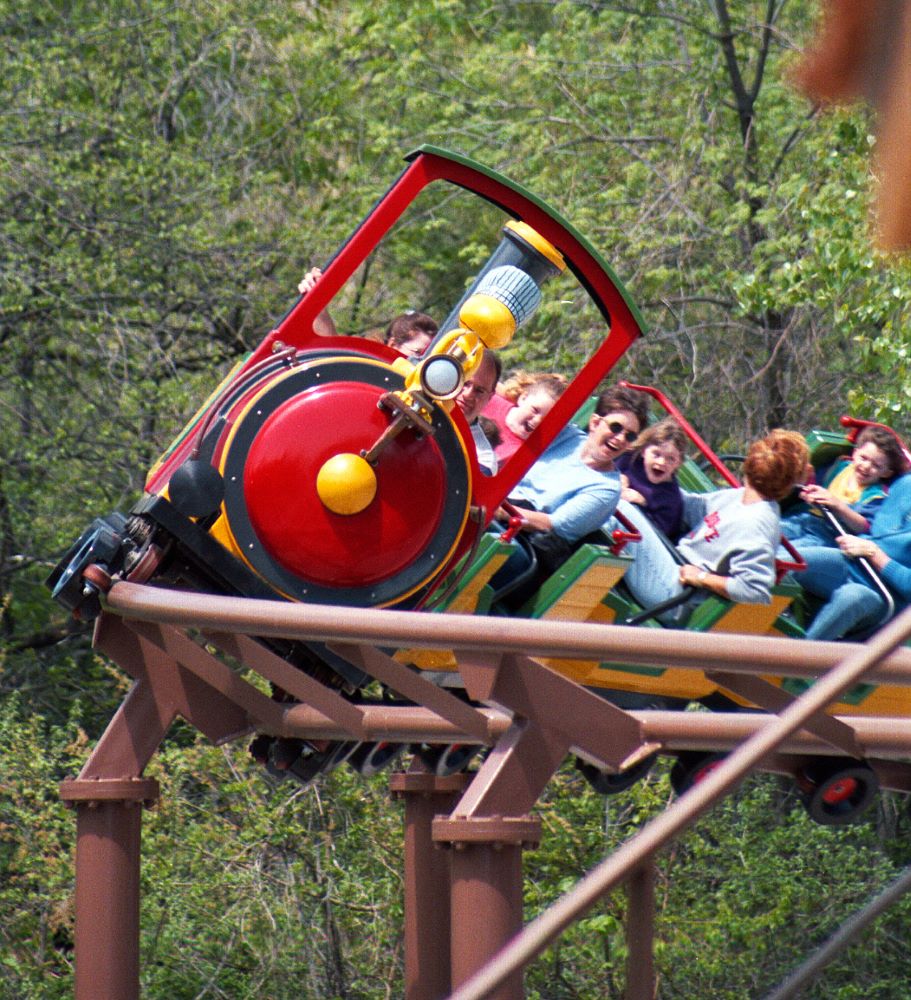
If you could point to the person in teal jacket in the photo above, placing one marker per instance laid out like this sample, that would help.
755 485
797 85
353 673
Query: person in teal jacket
852 488
852 601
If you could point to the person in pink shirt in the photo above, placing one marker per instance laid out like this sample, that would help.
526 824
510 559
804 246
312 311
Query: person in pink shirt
519 406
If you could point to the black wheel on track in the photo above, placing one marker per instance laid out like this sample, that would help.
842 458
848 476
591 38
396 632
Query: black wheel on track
691 767
448 759
605 783
299 760
371 758
837 792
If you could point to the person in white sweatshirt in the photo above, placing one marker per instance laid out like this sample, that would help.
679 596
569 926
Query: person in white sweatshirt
734 533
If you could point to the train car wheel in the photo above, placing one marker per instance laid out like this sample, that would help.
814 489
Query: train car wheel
448 759
605 783
145 565
836 792
339 753
371 758
259 748
299 759
281 754
692 767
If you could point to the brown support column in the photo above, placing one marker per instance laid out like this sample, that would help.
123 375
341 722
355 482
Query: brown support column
486 871
109 823
427 901
640 933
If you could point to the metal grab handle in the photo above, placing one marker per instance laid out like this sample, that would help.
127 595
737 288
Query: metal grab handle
620 537
865 563
690 431
659 609
782 566
516 521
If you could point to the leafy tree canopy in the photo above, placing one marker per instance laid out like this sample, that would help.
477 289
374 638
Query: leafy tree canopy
169 170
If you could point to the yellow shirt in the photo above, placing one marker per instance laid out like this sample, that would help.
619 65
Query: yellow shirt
845 487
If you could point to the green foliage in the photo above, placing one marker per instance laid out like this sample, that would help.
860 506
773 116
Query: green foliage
169 171
742 898
37 835
264 891
251 889
248 890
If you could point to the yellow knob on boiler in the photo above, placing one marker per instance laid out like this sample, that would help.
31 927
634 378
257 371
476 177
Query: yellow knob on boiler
489 318
346 484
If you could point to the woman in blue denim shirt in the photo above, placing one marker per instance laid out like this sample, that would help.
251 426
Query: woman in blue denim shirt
852 602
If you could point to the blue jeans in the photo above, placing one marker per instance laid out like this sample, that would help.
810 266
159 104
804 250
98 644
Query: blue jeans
806 530
654 575
850 605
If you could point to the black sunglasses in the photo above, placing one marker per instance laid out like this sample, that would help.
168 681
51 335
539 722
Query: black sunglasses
615 427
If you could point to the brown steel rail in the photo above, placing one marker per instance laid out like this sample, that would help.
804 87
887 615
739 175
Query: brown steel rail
533 939
569 640
175 675
878 736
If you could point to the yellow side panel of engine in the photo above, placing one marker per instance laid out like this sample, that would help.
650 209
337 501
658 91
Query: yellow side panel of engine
464 602
752 619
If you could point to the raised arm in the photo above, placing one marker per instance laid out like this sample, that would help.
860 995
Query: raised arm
323 325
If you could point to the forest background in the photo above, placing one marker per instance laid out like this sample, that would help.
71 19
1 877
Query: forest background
168 171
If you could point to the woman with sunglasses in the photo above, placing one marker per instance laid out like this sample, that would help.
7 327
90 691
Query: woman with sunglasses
566 490
573 487
733 534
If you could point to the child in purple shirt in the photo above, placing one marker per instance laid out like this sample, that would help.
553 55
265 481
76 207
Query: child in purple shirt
649 475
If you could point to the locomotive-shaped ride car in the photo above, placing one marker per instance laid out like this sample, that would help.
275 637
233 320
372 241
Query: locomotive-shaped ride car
333 470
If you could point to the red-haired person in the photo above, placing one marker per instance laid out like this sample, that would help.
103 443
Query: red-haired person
733 536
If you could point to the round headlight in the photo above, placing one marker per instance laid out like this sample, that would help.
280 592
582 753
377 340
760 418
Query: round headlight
442 376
